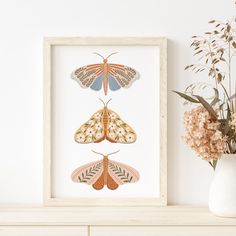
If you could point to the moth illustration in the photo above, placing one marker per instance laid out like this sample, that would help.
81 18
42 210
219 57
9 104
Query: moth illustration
105 172
95 76
105 124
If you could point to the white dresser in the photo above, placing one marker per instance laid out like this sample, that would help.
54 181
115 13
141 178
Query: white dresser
113 221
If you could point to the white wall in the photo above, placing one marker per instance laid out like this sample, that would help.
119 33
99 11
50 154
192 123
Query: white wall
24 23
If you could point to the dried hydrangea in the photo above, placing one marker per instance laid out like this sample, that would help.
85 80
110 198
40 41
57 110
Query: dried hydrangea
202 134
233 120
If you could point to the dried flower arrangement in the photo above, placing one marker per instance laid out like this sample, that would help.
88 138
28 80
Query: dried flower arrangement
211 126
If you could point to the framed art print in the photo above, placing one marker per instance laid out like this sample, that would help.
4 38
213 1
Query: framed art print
105 128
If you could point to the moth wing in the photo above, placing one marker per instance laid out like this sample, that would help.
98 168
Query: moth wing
89 76
111 183
92 131
97 84
118 131
122 173
99 183
113 84
88 173
123 75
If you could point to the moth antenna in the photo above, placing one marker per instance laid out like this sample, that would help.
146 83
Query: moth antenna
111 54
113 153
97 153
108 102
102 102
99 55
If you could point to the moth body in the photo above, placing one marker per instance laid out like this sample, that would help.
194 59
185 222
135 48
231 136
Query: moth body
105 76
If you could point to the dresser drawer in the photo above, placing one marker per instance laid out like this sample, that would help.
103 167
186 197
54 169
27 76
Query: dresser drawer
162 231
43 231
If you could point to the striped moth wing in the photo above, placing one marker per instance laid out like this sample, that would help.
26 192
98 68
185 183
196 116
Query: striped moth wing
121 76
89 76
118 131
88 173
92 131
121 173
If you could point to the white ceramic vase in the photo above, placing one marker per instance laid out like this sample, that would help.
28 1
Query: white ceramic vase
222 195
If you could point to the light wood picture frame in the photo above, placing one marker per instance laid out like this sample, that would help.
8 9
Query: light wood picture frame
66 107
